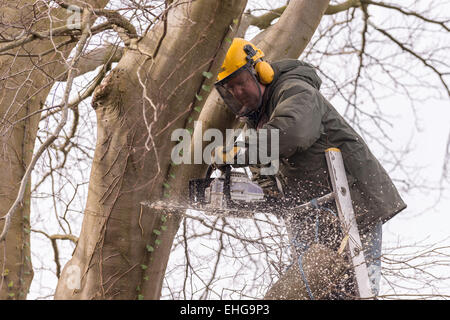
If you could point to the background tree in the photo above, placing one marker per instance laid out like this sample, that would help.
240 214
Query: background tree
28 69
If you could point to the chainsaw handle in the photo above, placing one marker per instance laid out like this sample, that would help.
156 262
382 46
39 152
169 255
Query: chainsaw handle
209 171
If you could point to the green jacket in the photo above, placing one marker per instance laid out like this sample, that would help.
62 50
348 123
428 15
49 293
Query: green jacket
308 124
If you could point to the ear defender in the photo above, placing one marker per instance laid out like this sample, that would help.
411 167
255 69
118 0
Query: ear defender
265 72
263 69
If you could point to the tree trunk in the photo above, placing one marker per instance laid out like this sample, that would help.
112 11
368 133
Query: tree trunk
24 86
123 248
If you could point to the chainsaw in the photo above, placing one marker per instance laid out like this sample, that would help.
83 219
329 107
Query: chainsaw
231 190
232 193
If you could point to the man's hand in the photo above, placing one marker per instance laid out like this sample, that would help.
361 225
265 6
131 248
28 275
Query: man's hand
219 157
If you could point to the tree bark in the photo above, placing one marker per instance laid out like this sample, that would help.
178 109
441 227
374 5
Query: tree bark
123 248
123 251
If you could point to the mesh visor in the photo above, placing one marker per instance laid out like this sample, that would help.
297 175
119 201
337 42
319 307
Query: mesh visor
235 105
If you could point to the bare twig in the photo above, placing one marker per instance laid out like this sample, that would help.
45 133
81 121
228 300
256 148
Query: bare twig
416 55
408 13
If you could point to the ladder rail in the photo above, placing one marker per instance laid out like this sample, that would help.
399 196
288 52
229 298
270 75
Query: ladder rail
348 221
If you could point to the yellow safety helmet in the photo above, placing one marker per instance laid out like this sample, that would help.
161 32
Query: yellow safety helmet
243 53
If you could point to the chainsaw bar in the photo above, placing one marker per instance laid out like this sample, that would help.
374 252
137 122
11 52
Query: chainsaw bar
176 208
242 212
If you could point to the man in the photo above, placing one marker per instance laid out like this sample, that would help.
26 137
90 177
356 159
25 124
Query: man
285 96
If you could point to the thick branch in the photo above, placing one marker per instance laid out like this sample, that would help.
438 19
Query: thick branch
95 58
113 17
70 237
61 31
333 9
117 19
264 21
53 239
299 15
125 29
38 35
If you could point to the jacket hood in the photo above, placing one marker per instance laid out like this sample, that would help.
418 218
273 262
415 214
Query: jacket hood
291 68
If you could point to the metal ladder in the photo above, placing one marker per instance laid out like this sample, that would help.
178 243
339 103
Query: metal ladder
352 241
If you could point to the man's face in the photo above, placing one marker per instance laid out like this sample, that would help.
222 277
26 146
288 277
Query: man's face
244 88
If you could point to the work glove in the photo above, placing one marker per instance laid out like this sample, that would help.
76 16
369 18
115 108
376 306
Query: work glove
220 158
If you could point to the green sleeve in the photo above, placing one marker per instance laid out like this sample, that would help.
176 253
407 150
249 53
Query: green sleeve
297 116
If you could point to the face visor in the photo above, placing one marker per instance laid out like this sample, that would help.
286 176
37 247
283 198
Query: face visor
242 78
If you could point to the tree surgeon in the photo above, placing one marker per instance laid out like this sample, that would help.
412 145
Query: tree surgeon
284 96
